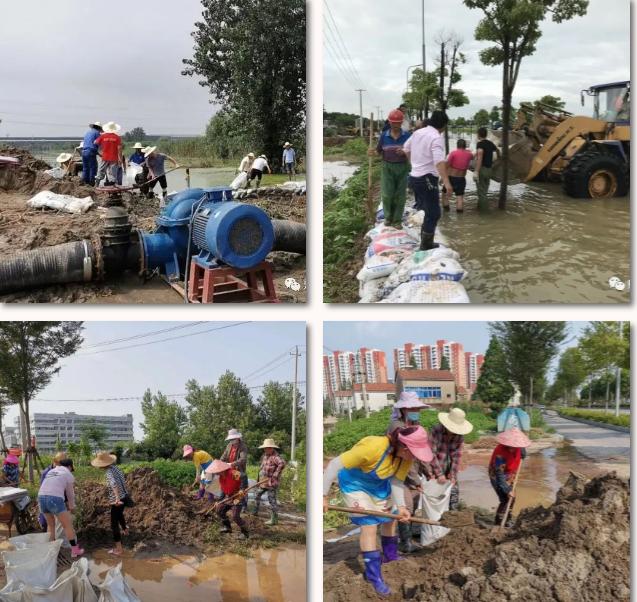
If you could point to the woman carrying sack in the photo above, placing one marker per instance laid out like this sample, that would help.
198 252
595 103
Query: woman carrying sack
118 497
504 465
371 477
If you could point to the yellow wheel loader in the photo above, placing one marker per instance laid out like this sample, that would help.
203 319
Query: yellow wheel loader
589 155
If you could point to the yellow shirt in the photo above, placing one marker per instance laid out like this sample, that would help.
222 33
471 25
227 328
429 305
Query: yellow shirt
366 454
201 457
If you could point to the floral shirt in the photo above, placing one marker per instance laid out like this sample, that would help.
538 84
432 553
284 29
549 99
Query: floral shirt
271 468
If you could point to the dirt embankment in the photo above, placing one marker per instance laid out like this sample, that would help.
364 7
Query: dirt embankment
165 518
577 550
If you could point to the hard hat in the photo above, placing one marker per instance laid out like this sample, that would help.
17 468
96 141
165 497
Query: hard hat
396 116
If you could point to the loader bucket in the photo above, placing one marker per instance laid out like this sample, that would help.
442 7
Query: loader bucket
521 155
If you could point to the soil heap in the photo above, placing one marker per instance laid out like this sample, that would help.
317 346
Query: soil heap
577 550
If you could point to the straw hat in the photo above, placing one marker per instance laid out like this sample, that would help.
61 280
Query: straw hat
455 421
11 459
269 443
415 439
188 450
111 127
137 145
97 123
217 467
103 459
409 399
64 157
233 434
287 144
251 155
514 437
148 150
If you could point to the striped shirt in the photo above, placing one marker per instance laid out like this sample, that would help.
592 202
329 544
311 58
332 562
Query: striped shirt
447 449
115 480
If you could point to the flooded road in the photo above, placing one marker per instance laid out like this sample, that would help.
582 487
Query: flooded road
276 575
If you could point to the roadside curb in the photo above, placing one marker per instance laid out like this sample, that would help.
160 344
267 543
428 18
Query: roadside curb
610 427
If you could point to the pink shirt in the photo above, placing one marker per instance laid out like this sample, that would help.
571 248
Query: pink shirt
427 148
57 482
460 159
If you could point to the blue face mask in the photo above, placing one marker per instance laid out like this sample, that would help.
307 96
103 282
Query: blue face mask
413 416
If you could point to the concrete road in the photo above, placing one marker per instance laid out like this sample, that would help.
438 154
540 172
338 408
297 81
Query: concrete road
600 444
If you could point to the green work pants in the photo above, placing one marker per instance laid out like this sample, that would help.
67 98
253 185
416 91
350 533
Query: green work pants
393 191
484 177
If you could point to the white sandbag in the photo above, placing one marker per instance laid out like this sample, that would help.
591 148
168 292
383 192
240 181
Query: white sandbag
132 170
413 233
371 291
22 503
379 229
36 566
60 202
115 589
375 267
415 219
434 501
56 172
241 181
20 542
438 269
435 291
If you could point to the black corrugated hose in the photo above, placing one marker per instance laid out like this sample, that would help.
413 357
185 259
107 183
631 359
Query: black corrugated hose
289 236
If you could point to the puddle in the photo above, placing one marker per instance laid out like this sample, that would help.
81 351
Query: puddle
337 173
542 475
270 576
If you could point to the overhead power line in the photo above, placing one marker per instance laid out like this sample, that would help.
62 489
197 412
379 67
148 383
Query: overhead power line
144 335
341 42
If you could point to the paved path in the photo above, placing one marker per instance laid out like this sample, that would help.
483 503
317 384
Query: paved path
595 442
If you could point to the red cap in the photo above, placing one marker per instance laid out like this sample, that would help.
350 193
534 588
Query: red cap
395 116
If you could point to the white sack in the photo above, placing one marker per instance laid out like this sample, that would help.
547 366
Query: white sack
437 291
241 181
39 569
60 202
434 501
115 589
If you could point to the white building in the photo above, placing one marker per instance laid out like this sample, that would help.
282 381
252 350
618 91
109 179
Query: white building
68 427
380 395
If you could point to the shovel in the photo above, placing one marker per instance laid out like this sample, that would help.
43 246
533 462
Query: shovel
241 493
508 508
413 519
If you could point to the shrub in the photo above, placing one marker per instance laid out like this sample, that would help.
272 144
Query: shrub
597 416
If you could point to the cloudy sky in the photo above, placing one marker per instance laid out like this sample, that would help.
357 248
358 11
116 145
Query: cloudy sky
67 63
384 38
100 372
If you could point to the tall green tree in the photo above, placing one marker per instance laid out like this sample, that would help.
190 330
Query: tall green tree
571 370
96 434
444 363
163 424
493 386
494 114
251 55
481 118
423 90
552 101
514 28
30 354
529 348
137 134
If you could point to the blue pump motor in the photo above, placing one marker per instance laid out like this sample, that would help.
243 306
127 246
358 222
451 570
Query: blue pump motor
220 230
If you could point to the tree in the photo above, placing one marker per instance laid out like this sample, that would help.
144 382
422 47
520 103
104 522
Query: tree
95 434
136 134
494 115
494 386
412 362
460 121
444 363
571 370
552 101
58 444
30 354
163 424
85 450
514 27
423 88
251 55
528 348
481 118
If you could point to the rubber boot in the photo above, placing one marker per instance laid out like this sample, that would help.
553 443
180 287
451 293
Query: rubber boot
255 510
373 574
274 519
390 548
245 533
200 494
227 527
406 544
427 242
76 551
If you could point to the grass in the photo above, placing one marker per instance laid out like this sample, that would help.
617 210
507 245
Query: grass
353 151
346 433
596 415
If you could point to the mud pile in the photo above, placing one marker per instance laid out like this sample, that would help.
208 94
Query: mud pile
578 549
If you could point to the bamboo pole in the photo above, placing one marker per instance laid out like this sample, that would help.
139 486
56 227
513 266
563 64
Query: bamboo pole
370 196
508 508
225 500
413 519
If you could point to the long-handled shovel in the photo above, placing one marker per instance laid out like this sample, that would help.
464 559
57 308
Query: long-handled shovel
508 508
241 493
413 519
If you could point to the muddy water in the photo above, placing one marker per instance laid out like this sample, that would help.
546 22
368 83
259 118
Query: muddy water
542 475
271 575
200 177
337 173
545 248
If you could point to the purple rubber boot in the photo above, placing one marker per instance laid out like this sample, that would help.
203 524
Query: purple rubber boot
390 548
373 562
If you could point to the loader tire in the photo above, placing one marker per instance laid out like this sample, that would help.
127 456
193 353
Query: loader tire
596 173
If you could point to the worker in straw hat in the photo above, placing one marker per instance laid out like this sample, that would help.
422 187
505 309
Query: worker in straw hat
371 476
406 412
271 467
65 161
259 165
157 172
289 160
137 156
118 497
110 145
230 483
246 164
447 439
236 454
89 152
503 466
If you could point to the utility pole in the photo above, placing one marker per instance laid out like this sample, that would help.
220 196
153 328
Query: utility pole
378 114
618 376
360 98
531 394
364 392
296 355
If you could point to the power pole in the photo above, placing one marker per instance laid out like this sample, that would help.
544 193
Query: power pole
424 55
360 98
531 394
296 355
618 377
364 392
